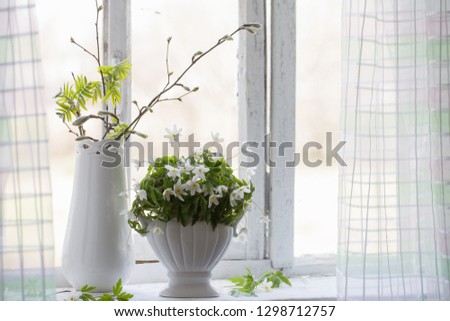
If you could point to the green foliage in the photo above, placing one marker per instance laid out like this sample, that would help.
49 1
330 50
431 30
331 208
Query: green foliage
248 284
73 98
118 130
175 190
117 293
77 96
113 77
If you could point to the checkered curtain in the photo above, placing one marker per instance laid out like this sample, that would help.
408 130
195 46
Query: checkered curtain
394 208
26 235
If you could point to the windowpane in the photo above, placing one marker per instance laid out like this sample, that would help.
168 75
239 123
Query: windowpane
318 105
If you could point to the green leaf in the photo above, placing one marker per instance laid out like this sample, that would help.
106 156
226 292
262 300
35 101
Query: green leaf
87 288
87 297
114 76
117 131
139 134
153 196
246 284
195 55
79 138
276 282
256 26
106 297
81 120
107 113
250 30
235 293
85 90
124 296
285 280
117 289
226 38
237 280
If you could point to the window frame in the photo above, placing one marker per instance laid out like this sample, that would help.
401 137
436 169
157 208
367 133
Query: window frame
267 100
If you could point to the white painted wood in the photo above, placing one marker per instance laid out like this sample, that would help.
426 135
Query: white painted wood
155 272
117 44
303 289
117 47
252 113
312 265
308 266
282 128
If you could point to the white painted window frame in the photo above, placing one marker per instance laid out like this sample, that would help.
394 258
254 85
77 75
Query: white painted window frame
266 82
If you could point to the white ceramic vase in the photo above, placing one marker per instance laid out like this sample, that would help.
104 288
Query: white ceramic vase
98 246
189 253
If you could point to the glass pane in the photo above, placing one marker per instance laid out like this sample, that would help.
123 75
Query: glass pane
318 104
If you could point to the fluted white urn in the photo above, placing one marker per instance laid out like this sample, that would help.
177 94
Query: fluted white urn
189 253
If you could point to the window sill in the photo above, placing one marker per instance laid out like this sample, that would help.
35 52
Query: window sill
303 289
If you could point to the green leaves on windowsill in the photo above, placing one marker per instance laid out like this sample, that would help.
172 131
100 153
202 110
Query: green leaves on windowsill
248 284
117 294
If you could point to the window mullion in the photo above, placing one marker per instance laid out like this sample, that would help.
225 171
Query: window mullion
282 129
252 115
117 47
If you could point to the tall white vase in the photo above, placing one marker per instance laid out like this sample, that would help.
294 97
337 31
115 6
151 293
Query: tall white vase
98 246
189 253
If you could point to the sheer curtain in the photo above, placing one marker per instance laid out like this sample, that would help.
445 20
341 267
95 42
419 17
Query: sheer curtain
394 206
26 235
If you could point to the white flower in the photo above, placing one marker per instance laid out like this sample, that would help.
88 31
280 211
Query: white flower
216 137
193 187
172 172
198 153
166 194
142 195
187 167
213 199
238 194
200 172
157 230
173 134
178 190
72 295
264 286
221 189
247 206
251 171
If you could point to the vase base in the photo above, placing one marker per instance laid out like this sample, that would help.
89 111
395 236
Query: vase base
189 285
